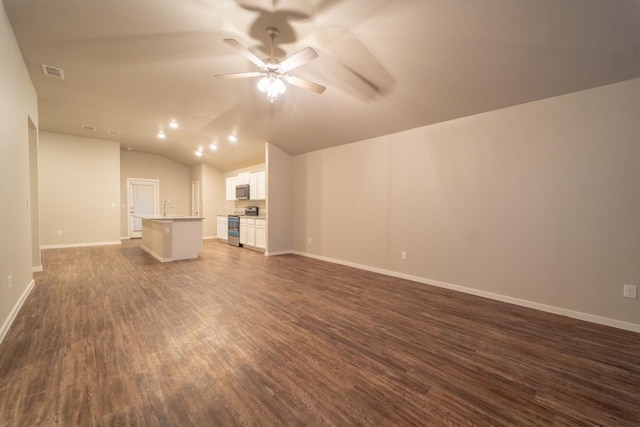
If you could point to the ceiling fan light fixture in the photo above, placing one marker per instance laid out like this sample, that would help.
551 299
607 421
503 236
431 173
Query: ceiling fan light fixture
272 85
275 72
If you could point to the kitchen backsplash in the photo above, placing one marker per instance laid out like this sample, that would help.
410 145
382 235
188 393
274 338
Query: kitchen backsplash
237 207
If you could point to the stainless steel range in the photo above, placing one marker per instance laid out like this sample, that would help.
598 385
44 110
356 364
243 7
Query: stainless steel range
233 230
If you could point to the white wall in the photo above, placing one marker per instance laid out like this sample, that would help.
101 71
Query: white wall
280 181
18 105
79 190
174 178
36 259
212 196
536 204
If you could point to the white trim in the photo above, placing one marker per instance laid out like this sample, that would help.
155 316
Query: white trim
498 297
125 238
195 198
16 308
209 237
156 199
80 245
155 255
284 253
37 269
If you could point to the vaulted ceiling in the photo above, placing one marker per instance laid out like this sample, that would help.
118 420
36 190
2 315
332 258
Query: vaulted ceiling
388 65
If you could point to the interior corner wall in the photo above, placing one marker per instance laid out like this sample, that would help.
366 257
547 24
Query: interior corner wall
537 203
212 196
196 172
279 172
18 105
174 179
34 193
79 190
213 199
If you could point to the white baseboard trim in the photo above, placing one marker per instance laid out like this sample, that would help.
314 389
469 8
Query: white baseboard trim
80 245
498 297
155 255
209 237
37 269
125 238
280 253
14 312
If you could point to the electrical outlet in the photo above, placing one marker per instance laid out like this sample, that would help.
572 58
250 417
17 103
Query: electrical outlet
630 291
59 232
403 255
10 281
309 240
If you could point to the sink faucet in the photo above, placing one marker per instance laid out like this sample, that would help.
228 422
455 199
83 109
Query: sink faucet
164 207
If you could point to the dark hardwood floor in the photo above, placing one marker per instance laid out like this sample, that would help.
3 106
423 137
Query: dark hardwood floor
109 336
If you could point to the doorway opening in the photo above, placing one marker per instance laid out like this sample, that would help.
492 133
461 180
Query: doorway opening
143 197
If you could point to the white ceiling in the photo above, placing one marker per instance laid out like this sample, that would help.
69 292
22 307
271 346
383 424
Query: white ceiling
389 65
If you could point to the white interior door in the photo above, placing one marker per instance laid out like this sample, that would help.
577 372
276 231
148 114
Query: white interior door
195 198
143 197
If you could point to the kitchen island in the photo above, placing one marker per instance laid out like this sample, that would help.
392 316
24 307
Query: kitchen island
172 238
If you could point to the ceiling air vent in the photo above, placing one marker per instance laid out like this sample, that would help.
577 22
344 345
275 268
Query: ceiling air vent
55 72
114 132
88 128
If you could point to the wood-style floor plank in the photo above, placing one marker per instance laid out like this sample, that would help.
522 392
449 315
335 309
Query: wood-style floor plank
109 336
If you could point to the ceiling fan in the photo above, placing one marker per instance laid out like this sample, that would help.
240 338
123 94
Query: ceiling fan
275 72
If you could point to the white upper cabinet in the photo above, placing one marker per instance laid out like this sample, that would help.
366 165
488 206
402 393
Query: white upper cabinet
243 178
258 186
231 187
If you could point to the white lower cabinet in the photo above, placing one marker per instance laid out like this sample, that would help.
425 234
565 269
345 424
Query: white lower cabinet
243 231
222 227
261 233
253 232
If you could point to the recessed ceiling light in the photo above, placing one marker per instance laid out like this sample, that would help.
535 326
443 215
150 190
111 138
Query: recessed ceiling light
233 138
213 146
173 124
129 148
198 153
114 132
88 128
161 135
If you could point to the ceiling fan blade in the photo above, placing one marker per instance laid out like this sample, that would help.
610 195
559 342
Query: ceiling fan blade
244 51
239 75
305 84
294 61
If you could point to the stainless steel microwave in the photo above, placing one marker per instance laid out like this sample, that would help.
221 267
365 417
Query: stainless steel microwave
242 192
